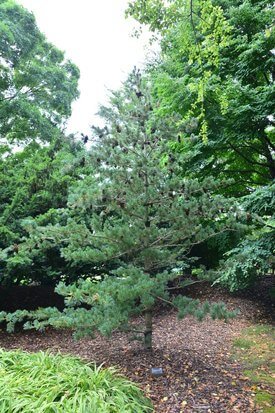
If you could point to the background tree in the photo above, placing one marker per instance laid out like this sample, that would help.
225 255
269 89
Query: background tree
254 255
34 186
137 212
215 75
227 47
37 83
37 88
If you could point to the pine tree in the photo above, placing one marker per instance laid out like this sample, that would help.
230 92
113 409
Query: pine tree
136 212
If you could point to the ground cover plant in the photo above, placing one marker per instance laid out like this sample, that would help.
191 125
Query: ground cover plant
47 383
255 348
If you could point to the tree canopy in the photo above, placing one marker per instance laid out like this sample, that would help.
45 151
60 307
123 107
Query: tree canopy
217 73
37 83
215 76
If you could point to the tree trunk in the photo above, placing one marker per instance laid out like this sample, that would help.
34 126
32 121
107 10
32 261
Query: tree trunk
148 330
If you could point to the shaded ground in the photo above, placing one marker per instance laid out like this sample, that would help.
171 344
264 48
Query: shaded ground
29 298
32 297
255 347
200 374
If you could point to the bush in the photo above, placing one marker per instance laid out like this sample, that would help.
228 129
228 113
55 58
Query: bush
48 383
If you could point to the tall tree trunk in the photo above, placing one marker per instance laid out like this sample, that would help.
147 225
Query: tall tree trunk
148 330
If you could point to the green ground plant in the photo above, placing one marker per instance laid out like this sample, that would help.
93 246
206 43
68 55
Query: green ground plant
255 349
43 382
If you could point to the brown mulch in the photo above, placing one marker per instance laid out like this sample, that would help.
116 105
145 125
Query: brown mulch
199 372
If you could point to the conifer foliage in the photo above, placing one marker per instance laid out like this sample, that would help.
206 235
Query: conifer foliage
136 212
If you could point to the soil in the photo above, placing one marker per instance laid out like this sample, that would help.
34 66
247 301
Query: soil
200 374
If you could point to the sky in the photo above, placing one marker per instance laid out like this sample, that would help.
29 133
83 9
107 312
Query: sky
95 35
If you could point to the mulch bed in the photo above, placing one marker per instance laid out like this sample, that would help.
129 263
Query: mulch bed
199 372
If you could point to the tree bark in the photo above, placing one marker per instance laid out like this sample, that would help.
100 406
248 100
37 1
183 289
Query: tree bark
148 330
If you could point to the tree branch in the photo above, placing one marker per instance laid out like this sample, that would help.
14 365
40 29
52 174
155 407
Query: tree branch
253 162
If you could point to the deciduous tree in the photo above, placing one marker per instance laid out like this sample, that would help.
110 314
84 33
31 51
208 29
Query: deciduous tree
37 83
215 74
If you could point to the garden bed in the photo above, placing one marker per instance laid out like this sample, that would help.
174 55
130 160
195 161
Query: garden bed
200 374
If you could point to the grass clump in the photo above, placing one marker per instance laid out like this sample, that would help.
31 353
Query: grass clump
243 343
47 383
255 348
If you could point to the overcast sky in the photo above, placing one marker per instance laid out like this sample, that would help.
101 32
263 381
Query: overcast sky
95 35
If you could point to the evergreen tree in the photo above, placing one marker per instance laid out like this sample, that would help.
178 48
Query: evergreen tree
34 186
136 212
